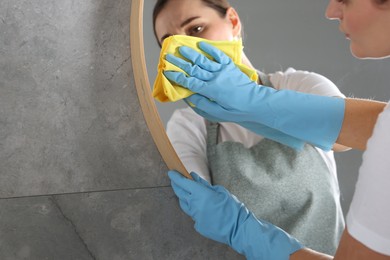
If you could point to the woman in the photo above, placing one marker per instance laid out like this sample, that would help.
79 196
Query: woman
262 173
365 126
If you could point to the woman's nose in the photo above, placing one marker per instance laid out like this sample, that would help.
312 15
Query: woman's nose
334 10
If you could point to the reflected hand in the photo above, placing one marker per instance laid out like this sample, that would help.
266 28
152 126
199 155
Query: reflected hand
228 94
260 129
220 216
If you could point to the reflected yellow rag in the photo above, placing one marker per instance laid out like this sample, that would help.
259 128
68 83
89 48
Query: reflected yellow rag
165 91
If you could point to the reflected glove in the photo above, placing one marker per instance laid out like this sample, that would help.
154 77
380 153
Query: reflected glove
260 129
229 95
218 215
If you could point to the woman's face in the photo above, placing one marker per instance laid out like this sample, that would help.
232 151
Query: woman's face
365 24
194 18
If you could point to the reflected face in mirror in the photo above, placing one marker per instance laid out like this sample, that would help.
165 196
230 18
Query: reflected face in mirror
209 19
197 18
234 157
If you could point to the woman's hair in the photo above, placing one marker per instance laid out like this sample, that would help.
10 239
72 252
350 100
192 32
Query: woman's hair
220 6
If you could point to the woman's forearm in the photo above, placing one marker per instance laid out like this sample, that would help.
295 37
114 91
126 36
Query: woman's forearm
359 121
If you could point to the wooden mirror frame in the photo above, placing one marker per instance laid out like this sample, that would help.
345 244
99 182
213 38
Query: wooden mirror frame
144 91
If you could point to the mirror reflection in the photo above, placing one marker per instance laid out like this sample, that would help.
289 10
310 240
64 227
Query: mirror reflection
286 187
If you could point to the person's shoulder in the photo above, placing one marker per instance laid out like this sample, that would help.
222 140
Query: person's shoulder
291 76
293 72
304 81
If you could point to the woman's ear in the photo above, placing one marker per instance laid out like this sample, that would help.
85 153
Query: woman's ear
234 19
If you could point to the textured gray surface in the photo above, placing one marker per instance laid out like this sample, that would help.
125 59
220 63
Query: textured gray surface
80 177
131 224
69 114
34 228
138 224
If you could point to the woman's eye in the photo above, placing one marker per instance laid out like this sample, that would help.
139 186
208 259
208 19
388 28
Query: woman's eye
196 29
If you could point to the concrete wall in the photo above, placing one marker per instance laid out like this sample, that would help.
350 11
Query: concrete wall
279 34
80 177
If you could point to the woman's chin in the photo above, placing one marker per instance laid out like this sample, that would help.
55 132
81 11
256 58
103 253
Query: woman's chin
361 54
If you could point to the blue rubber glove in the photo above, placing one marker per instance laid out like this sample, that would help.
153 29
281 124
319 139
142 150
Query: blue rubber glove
260 129
220 216
228 94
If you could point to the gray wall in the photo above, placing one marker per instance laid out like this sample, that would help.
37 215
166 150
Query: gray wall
279 34
80 177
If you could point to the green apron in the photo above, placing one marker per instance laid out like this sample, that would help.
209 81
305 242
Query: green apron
292 189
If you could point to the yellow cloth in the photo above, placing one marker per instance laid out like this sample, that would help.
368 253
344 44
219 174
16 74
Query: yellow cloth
165 91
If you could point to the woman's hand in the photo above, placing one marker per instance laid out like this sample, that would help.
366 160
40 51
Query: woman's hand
226 93
220 216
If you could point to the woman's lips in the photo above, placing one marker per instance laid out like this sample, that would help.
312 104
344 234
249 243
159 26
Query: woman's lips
346 34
